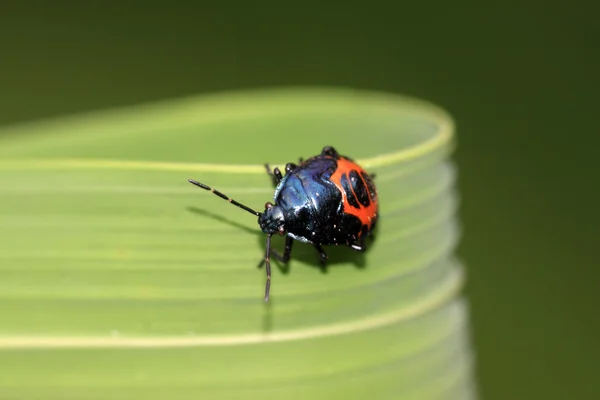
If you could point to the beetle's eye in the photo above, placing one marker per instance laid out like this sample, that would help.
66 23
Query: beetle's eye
268 205
281 231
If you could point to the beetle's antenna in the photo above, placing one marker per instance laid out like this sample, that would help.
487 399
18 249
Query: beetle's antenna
225 197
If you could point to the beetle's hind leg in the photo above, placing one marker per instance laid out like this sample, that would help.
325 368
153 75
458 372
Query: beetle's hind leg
275 174
360 245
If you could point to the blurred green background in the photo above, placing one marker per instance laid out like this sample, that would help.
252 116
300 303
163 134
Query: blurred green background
520 78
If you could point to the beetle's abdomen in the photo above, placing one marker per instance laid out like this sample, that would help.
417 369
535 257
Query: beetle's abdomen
359 195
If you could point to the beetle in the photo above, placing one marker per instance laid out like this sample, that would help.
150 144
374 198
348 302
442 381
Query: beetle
327 199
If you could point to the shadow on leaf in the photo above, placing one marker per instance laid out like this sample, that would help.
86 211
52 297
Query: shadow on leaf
224 220
307 254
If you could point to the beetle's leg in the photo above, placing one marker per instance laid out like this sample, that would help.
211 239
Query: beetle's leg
359 245
289 167
268 269
275 174
329 151
322 255
289 242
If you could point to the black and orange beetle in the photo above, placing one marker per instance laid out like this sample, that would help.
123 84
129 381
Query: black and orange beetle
325 200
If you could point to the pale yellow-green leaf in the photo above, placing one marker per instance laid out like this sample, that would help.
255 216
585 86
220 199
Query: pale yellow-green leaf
119 279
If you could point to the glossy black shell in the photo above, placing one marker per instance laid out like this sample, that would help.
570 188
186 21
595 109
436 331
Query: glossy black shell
313 206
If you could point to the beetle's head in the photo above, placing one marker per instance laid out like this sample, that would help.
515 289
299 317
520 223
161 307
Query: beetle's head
272 220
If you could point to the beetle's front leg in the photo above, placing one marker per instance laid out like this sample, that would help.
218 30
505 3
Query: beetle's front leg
275 174
285 258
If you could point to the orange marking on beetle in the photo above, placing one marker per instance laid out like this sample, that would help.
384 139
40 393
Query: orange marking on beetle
366 215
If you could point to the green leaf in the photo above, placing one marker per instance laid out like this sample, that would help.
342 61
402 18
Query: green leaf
122 280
